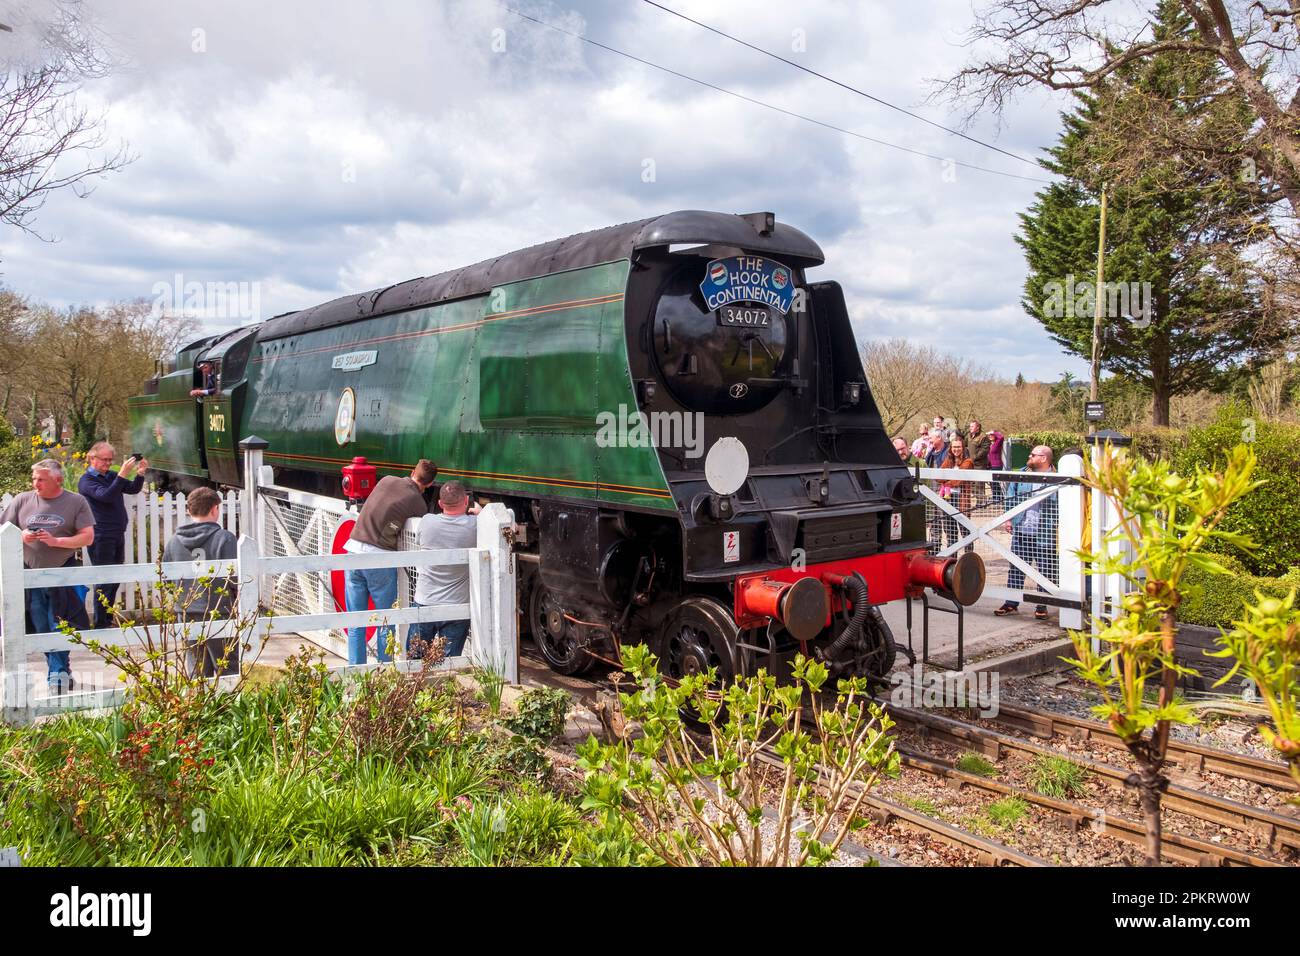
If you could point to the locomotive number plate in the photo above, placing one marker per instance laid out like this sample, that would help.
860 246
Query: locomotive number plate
745 316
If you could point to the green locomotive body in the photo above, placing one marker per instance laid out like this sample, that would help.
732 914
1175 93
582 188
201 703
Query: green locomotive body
536 378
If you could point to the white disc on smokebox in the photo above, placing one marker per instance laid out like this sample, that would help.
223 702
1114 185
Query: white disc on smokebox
727 465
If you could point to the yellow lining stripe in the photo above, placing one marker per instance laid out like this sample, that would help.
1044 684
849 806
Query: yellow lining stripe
500 476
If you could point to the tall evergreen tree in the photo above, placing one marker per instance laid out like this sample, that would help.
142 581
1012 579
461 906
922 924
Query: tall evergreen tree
1183 307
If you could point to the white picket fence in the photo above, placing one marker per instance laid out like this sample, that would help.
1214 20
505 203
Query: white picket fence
151 519
266 559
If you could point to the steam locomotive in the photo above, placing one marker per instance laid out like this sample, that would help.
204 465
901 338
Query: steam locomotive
677 416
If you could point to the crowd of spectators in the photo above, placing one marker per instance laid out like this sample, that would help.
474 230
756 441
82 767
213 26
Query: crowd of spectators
1033 529
58 524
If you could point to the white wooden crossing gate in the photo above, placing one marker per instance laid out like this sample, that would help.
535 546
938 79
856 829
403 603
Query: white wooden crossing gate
151 520
1026 526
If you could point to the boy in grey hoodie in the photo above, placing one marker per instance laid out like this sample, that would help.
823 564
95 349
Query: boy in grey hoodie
203 539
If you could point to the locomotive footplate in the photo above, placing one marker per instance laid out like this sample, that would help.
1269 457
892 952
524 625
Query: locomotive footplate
804 536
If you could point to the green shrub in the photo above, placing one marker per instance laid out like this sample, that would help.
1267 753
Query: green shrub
539 715
523 757
15 468
1218 599
1269 515
1153 442
70 794
1055 440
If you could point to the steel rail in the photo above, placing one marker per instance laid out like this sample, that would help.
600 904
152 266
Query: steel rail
1190 757
1176 846
1277 830
989 852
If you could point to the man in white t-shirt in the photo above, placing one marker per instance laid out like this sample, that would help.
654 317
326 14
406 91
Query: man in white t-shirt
455 527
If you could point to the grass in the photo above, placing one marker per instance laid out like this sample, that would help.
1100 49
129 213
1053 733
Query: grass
920 805
980 826
1057 777
299 779
981 766
1006 812
491 685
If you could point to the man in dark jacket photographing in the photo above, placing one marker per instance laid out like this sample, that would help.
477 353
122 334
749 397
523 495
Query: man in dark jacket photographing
103 490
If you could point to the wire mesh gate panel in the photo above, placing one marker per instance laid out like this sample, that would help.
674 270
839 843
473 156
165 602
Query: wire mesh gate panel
1024 525
295 523
290 524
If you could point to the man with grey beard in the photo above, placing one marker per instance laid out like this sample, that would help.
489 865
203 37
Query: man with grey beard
56 524
1033 531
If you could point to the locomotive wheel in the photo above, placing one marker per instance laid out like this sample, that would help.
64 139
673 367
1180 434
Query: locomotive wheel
556 635
697 634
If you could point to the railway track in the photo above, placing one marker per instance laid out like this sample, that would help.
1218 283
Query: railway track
1279 832
1188 757
987 852
1176 846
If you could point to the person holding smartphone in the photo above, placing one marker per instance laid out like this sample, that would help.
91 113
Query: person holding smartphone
56 524
103 488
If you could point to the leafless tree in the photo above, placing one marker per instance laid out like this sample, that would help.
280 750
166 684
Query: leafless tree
1080 44
48 141
14 341
91 360
901 376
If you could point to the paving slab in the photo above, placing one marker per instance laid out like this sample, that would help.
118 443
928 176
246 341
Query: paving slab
985 634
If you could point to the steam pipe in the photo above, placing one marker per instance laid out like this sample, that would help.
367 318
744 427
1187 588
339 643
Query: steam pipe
856 585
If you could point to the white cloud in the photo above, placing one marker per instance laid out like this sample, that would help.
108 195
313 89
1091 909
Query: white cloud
325 148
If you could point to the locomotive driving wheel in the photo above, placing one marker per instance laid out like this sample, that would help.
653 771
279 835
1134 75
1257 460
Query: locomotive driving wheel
697 634
557 637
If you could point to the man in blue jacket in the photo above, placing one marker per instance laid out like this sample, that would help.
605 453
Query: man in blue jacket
1033 531
103 488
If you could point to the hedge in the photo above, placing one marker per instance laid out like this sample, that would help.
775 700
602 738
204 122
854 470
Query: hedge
1269 515
1155 441
1149 441
15 468
15 461
1216 600
1057 441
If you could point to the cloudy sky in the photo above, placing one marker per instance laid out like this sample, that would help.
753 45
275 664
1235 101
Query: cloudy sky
311 149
